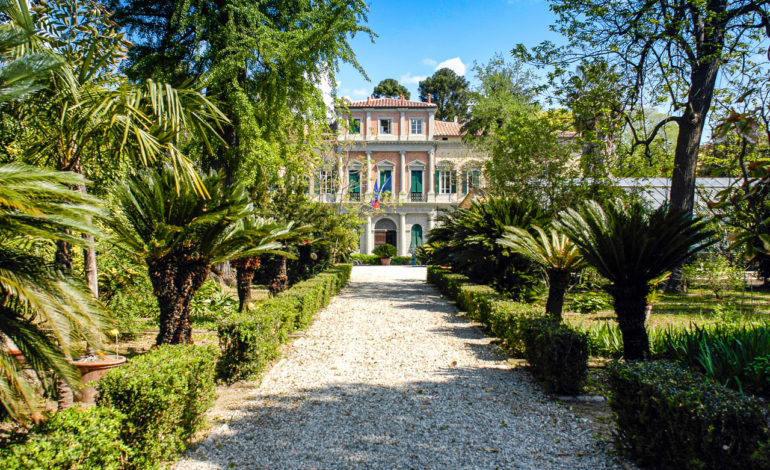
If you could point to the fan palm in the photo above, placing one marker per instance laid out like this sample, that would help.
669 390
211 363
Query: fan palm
631 245
180 235
42 310
556 254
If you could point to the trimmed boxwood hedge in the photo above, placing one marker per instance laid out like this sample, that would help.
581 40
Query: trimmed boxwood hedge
557 354
250 340
163 395
673 418
71 439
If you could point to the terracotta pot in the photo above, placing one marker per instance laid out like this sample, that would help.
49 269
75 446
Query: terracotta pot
92 371
385 261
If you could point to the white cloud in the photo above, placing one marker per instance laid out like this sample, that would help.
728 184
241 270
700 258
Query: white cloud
360 92
429 62
408 78
455 65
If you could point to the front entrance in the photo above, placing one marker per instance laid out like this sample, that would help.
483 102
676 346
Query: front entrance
385 231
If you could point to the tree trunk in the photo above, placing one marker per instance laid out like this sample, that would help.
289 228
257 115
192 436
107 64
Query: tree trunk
279 282
558 280
630 307
63 256
175 279
702 81
245 268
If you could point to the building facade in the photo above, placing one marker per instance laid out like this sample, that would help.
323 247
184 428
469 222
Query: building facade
419 163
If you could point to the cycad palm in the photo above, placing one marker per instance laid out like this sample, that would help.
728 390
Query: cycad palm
42 310
631 246
180 235
556 254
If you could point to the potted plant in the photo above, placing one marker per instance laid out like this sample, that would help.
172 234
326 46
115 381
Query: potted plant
385 252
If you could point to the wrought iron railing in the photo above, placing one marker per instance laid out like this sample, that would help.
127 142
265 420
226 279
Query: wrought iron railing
417 197
354 196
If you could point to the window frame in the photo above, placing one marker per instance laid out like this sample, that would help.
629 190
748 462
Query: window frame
326 182
390 126
445 181
412 122
355 126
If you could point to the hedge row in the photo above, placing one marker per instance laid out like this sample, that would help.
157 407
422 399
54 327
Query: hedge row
674 418
374 260
558 355
250 340
147 411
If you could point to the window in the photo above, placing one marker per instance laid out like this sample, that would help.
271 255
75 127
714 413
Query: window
385 127
445 182
326 182
386 183
472 179
355 126
415 126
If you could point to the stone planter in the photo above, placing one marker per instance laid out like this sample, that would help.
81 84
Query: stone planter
385 261
92 371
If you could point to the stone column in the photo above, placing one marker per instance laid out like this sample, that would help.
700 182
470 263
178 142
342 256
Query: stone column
369 175
431 175
368 237
311 186
431 224
341 176
402 128
403 239
402 168
368 132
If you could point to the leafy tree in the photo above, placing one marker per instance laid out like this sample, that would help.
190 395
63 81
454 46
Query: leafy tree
264 60
390 88
449 92
630 246
556 254
42 310
180 235
670 52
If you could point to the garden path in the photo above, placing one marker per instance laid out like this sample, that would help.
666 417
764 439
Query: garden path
389 377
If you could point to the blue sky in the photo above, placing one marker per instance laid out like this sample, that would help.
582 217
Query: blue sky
415 37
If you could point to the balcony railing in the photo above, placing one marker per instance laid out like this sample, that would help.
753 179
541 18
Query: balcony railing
417 197
354 196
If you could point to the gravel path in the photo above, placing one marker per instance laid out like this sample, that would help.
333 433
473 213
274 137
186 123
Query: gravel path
388 377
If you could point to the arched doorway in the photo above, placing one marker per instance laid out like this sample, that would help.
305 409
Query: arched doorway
385 231
416 236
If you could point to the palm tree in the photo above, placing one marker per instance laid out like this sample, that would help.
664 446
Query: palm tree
557 255
631 245
43 311
257 232
89 118
180 235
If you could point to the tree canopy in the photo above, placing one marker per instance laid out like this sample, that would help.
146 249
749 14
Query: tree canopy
390 88
264 60
450 93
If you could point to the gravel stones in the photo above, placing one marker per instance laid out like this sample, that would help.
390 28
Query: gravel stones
389 377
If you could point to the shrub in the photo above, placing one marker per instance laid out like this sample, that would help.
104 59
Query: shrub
71 439
375 260
385 251
506 320
436 274
163 394
724 353
672 418
557 354
473 297
451 284
590 302
248 342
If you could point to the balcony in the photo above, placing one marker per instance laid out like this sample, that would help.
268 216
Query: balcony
354 196
416 197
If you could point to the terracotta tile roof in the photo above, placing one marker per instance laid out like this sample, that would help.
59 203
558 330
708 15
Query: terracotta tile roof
390 103
447 128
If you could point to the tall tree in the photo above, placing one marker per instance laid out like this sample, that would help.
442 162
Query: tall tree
264 60
450 93
672 51
390 88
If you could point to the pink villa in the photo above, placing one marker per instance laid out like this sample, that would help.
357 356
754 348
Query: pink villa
421 165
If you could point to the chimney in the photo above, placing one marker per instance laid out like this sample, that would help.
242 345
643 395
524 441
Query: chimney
368 100
429 97
401 97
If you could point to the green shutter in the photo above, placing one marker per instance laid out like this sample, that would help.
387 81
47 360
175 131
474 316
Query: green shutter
435 180
466 175
416 181
454 182
354 180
